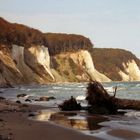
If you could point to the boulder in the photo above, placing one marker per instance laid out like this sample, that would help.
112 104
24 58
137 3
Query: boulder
21 95
2 98
45 98
19 102
51 98
28 100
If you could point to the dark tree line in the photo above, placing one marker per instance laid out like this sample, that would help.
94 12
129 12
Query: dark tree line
20 34
12 33
58 43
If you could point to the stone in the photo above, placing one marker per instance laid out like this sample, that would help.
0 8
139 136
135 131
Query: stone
45 98
19 102
21 95
31 115
2 98
28 100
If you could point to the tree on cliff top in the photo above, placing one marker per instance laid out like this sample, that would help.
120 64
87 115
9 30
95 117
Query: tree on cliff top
13 33
58 43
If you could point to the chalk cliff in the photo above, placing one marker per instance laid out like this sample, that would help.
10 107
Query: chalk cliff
28 56
76 67
132 71
9 73
117 64
20 65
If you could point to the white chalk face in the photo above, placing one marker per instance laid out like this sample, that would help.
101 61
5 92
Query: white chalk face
17 52
40 54
84 59
43 55
133 71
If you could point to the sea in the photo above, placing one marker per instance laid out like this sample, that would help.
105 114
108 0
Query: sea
94 125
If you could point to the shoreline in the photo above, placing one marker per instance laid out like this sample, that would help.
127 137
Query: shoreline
15 125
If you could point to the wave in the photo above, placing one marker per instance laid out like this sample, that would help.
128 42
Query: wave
80 98
134 114
137 85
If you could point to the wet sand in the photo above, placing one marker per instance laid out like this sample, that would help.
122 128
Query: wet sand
15 125
124 134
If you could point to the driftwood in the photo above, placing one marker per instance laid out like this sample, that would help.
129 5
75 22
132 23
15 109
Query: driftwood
70 105
127 104
100 102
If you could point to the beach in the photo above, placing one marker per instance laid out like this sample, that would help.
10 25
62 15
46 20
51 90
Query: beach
17 120
15 125
69 70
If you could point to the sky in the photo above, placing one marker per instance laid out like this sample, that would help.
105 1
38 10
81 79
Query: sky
108 23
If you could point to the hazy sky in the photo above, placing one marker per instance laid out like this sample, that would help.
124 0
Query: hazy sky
108 23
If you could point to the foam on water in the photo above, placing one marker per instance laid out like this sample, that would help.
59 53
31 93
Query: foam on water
65 91
129 90
133 114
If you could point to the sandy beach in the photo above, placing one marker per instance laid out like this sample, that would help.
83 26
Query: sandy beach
15 125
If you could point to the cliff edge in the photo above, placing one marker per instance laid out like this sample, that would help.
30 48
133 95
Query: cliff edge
29 56
117 64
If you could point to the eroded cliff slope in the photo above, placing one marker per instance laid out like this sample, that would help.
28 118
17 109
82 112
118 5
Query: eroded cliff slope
28 56
76 67
117 64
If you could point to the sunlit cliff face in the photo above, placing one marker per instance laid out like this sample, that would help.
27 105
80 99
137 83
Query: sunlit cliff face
32 64
28 65
78 66
89 67
8 70
38 58
132 71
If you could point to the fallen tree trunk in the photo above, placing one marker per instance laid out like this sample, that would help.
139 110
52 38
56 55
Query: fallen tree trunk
100 102
127 104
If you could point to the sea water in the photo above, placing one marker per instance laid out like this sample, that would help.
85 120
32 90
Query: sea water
127 90
88 124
